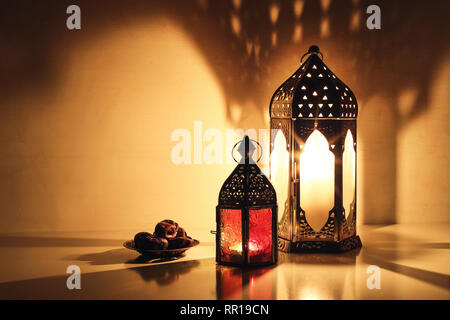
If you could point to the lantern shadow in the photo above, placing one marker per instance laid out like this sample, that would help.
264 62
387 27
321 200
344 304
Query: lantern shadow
36 241
384 259
111 284
121 255
251 47
404 254
251 283
165 274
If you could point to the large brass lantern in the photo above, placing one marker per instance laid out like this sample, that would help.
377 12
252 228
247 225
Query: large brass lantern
313 159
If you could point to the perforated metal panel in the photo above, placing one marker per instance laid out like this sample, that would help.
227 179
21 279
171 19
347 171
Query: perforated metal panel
259 191
314 91
247 185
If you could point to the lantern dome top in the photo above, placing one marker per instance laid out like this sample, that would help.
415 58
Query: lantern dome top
314 92
247 185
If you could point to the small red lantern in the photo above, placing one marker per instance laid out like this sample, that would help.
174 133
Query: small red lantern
247 214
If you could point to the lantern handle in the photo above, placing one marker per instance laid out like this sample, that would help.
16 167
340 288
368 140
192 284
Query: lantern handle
237 143
312 49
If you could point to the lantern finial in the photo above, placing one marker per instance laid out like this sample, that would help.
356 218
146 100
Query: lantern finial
246 149
314 49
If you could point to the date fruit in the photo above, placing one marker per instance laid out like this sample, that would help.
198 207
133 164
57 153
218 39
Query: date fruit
181 242
147 241
166 229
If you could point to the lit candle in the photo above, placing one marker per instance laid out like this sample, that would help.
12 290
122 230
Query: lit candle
316 180
238 247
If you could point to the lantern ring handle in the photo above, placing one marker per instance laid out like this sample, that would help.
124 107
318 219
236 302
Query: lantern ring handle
312 49
237 143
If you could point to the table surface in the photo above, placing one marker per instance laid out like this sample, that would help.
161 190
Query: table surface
413 260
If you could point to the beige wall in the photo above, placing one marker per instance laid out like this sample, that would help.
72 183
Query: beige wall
424 156
417 188
86 117
95 153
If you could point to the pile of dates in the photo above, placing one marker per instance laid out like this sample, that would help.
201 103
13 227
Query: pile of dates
167 235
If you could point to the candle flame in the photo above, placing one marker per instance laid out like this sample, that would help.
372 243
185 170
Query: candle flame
238 247
316 180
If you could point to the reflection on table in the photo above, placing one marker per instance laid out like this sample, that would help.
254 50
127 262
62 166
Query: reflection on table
413 261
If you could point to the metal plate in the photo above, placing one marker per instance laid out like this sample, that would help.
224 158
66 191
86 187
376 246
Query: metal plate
159 253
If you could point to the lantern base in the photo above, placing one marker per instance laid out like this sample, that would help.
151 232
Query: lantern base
344 245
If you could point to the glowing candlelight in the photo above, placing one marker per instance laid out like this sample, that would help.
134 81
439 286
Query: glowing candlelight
349 172
280 170
238 247
316 180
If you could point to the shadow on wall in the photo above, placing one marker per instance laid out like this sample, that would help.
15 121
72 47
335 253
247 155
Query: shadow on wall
252 47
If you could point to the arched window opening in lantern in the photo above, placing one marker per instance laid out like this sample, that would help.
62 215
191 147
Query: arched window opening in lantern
349 174
316 180
279 171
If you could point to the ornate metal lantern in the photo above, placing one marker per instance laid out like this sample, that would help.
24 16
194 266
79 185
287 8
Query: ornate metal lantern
246 216
313 159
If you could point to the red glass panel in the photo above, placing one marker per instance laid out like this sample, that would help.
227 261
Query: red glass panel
260 235
231 235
